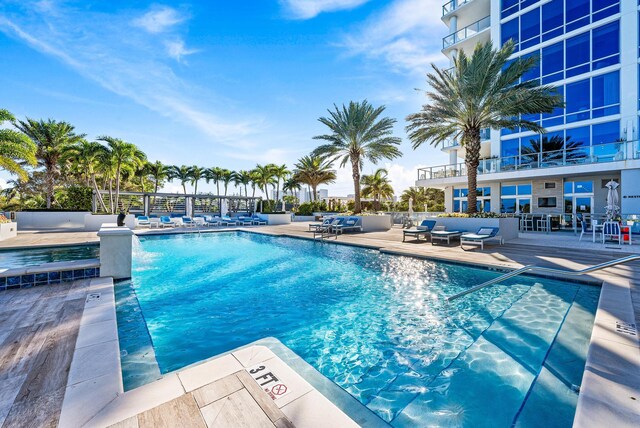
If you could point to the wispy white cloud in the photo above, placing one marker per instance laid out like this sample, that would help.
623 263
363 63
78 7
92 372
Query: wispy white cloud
405 36
177 50
306 9
96 46
159 19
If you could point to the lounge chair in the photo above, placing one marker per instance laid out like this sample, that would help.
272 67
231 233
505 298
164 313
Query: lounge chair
611 230
188 221
325 222
143 221
350 224
481 236
257 220
439 233
166 221
245 221
331 228
211 221
228 221
424 228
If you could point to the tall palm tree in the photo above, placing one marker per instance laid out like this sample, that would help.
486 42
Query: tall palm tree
280 172
482 91
226 176
313 171
291 185
213 174
50 138
196 173
263 177
242 178
125 156
87 157
181 173
254 176
358 133
16 149
158 173
377 186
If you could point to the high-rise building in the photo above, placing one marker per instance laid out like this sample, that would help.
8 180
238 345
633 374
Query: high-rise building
589 50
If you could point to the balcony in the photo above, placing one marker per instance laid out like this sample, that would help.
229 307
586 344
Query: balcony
466 32
596 154
485 135
449 7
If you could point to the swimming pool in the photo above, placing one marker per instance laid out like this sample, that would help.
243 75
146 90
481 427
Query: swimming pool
10 259
375 324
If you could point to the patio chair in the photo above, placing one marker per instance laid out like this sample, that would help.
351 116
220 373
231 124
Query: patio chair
165 220
483 235
326 222
188 221
585 229
211 221
439 233
257 220
424 229
350 224
228 221
245 221
611 230
143 221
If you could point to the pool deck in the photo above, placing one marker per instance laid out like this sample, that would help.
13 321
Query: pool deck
39 329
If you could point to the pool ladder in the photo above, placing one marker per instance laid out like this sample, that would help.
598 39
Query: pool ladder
534 268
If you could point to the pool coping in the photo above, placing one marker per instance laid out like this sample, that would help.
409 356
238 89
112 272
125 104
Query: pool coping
94 395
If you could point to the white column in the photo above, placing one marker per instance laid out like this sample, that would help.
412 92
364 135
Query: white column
629 68
116 248
453 157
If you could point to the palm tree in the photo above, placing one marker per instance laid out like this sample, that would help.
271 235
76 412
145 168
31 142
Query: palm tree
182 173
226 176
16 149
213 174
254 176
243 178
377 186
482 91
291 185
50 138
421 196
263 177
358 134
125 156
196 174
158 173
87 157
280 173
313 171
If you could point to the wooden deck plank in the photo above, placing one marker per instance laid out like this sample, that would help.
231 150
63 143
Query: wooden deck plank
238 410
264 401
180 412
217 390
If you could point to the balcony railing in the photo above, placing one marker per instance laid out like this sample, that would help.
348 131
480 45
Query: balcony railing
468 31
485 134
599 153
453 5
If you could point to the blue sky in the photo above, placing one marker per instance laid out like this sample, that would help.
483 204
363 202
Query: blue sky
220 83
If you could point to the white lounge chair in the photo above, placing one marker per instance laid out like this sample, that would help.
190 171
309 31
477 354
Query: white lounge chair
483 235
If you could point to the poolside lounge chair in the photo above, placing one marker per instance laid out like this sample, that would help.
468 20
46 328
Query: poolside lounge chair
143 221
166 221
611 230
439 233
330 228
325 222
423 229
350 224
257 220
188 221
245 221
228 221
481 236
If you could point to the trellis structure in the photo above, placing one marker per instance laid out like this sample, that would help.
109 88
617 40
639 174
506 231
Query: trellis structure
143 203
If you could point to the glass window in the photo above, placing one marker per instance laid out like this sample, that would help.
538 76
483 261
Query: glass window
456 193
553 141
510 31
577 54
583 187
603 8
509 7
577 14
553 13
605 133
553 61
509 151
605 147
530 29
487 191
486 206
464 192
509 190
456 206
556 117
606 45
606 94
529 150
524 189
568 187
508 205
577 101
524 205
533 72
577 142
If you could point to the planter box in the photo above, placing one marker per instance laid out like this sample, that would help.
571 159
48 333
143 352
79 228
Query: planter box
8 230
508 226
304 218
93 223
39 220
376 223
275 219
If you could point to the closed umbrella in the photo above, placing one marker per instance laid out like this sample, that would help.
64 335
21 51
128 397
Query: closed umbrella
410 206
613 209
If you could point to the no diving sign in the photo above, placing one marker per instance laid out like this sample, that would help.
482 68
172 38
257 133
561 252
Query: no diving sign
268 381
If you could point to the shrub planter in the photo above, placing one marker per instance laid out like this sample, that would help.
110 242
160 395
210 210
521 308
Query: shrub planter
8 230
375 223
304 218
508 226
275 219
38 220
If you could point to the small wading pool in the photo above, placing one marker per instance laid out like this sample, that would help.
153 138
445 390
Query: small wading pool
10 259
377 325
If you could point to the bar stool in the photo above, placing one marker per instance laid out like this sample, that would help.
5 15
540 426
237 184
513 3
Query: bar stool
526 223
543 224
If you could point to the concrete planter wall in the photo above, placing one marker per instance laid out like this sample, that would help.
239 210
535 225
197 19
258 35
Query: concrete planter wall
92 223
116 251
508 226
376 223
304 218
8 230
275 219
32 220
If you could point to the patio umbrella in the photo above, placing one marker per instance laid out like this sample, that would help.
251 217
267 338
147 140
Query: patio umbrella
612 199
410 206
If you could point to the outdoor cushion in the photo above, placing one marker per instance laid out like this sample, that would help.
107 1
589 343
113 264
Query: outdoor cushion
485 231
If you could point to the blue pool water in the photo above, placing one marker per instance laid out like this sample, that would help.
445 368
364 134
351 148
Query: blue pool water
34 256
375 324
